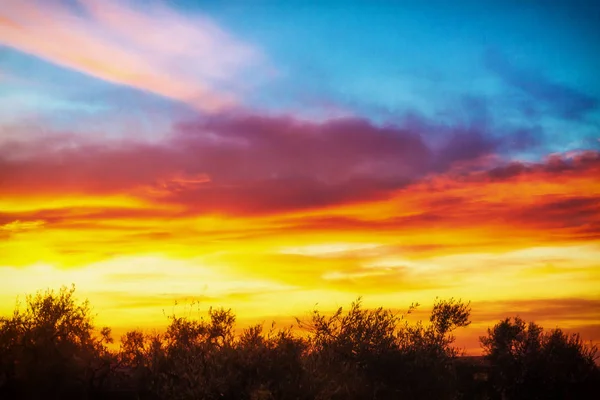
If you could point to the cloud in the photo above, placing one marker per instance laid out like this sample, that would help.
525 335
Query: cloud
234 180
282 176
562 100
554 201
18 225
272 163
182 57
566 310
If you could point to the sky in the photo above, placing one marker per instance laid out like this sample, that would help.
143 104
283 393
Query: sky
276 156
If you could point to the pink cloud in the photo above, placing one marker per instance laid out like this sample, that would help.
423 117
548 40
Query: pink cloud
273 164
186 58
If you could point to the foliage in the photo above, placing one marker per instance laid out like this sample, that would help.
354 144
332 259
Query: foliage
378 354
528 363
50 349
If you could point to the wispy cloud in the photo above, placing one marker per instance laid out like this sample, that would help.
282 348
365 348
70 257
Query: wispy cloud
559 99
182 57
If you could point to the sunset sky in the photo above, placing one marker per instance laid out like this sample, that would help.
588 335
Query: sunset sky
273 156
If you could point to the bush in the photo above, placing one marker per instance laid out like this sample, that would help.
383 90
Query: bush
377 354
50 349
528 363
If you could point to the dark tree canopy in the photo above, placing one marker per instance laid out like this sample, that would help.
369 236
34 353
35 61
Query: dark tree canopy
50 349
529 363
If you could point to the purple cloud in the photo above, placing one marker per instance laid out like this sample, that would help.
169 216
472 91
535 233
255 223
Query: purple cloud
244 164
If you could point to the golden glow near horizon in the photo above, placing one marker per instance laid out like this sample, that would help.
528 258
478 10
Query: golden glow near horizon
491 242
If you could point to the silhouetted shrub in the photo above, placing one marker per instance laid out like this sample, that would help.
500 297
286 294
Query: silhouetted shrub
527 363
375 354
50 349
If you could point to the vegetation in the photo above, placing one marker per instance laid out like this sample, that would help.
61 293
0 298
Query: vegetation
51 350
532 364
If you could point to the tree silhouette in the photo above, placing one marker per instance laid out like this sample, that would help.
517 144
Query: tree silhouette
378 354
50 349
528 363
